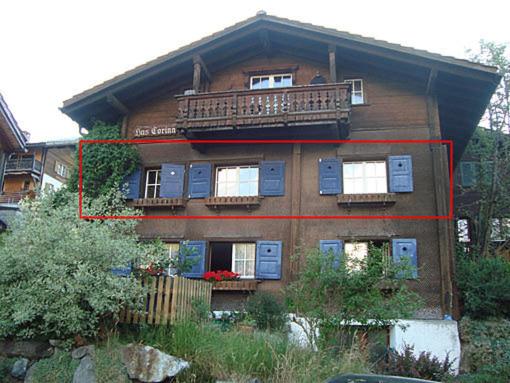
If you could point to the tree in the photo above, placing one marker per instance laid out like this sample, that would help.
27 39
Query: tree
491 145
57 279
104 166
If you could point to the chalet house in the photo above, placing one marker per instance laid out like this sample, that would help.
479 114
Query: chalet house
27 167
272 78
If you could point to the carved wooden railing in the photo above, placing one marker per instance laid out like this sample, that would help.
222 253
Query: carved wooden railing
23 164
15 197
299 105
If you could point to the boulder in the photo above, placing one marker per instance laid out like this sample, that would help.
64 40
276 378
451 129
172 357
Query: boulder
29 374
19 370
148 364
80 352
85 372
30 349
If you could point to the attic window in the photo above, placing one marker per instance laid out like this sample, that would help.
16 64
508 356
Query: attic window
271 81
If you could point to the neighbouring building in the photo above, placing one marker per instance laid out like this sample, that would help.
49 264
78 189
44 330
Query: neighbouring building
274 78
26 168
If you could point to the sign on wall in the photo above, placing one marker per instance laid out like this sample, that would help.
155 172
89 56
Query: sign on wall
155 130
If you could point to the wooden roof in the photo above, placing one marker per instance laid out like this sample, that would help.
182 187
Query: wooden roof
11 136
463 88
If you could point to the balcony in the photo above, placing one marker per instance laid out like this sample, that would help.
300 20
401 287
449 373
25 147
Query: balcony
23 165
15 197
299 106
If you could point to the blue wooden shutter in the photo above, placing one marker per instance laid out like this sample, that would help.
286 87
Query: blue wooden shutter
133 184
405 248
194 250
172 181
122 271
330 176
401 174
469 172
334 245
272 178
200 180
269 260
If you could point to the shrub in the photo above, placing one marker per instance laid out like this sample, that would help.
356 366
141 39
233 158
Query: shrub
484 285
58 368
425 366
267 312
56 280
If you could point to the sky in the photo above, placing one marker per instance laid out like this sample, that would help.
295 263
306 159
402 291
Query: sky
54 49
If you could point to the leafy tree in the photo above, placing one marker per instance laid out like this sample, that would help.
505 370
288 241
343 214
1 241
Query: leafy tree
57 280
326 297
491 145
104 166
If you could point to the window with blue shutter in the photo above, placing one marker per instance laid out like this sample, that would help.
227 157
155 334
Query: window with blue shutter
335 246
194 251
132 190
272 178
268 263
199 180
401 174
404 250
469 173
330 176
172 181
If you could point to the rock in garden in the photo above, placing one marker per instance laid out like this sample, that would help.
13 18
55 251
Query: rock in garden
85 372
29 374
80 352
19 370
148 364
30 349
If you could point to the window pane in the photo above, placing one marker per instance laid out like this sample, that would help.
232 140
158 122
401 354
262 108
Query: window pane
349 186
357 98
244 189
356 86
264 83
151 191
254 173
277 82
221 190
356 254
232 189
255 83
158 177
244 174
151 177
287 81
156 195
250 269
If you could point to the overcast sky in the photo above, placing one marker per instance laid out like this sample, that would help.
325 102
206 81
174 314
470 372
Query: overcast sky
51 50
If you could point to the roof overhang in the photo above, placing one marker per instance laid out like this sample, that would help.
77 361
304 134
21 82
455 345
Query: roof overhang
12 137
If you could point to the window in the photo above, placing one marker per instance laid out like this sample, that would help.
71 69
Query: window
152 183
243 259
500 230
356 254
463 230
365 177
271 81
173 253
232 181
357 96
61 169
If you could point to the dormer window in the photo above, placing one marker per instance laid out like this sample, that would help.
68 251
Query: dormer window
271 81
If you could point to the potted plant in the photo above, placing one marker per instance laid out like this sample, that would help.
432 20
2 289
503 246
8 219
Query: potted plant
247 324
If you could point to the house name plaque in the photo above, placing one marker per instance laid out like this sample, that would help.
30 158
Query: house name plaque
155 130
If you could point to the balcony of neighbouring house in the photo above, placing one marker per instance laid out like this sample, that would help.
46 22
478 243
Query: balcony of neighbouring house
15 197
309 107
23 164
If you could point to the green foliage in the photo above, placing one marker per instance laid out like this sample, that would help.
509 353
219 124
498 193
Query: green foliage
56 279
6 367
267 312
104 165
233 355
484 285
486 349
58 368
423 366
365 293
108 362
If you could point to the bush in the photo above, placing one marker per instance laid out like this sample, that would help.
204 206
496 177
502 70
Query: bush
484 285
267 312
56 280
425 366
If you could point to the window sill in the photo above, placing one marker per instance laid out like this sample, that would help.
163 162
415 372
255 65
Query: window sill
242 285
173 203
382 199
233 202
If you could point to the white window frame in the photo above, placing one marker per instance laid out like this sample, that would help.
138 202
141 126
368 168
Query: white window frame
359 92
271 80
237 181
364 178
245 260
173 251
156 184
61 169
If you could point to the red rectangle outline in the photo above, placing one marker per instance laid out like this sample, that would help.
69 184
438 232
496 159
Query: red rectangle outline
181 141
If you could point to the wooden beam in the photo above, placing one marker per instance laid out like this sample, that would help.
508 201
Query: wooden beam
431 82
198 59
196 76
115 102
264 40
332 63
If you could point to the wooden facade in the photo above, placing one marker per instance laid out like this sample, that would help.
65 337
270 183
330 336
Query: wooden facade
342 87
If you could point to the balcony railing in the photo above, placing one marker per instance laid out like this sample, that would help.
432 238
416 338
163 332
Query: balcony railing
15 197
23 165
294 106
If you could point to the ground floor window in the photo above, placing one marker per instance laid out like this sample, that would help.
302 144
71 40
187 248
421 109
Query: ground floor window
173 254
357 253
236 257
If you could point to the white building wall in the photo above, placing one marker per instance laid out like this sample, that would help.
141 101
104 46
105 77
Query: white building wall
52 182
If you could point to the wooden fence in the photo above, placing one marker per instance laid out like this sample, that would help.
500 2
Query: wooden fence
168 300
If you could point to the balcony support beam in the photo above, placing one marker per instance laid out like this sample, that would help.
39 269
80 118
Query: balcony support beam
117 104
332 64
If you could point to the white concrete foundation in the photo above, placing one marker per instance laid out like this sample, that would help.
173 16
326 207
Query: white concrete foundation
439 337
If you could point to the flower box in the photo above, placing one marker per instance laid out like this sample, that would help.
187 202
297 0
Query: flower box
240 285
380 199
248 203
